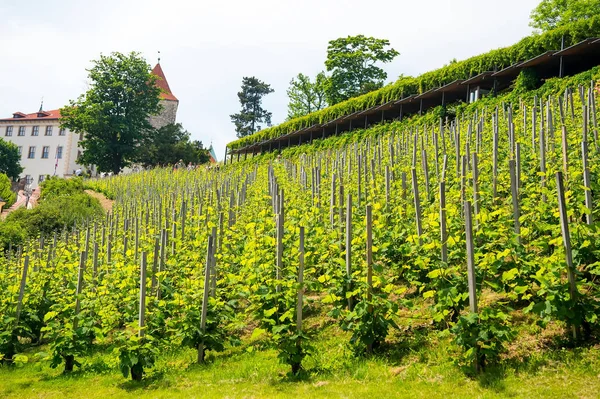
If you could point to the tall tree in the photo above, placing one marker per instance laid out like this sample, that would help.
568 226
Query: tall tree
10 160
550 14
170 144
351 61
247 120
113 114
306 96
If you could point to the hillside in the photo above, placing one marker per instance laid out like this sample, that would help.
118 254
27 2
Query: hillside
405 258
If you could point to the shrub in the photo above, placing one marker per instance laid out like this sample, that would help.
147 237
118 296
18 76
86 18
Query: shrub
11 232
55 213
5 192
56 186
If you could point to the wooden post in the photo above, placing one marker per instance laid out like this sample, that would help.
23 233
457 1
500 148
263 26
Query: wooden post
515 199
349 249
142 319
587 185
443 231
475 190
22 290
81 270
564 226
417 203
369 223
300 282
204 310
155 259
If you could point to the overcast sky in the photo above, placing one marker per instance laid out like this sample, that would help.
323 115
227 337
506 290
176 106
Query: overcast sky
207 46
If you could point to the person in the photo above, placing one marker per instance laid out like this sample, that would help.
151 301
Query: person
78 172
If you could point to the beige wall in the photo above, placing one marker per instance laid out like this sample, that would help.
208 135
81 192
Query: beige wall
38 166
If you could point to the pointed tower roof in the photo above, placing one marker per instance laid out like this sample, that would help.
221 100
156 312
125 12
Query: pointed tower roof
211 154
162 83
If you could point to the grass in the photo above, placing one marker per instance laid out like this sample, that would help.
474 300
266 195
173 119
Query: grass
415 364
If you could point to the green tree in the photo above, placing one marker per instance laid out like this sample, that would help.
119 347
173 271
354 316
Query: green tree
351 61
306 96
5 191
247 120
10 160
113 114
550 14
168 145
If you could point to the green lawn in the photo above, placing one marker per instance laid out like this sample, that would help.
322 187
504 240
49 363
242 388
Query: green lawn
414 366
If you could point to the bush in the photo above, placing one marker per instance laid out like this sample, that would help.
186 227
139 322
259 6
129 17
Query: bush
11 232
5 192
55 213
56 186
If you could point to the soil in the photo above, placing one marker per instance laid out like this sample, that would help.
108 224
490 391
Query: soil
106 203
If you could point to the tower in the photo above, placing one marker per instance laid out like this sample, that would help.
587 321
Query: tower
168 101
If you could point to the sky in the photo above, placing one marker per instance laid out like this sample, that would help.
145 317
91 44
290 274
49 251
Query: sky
207 46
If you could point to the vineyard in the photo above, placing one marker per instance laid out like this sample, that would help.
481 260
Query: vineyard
465 225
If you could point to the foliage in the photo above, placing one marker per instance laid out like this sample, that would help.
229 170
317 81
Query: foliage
369 323
351 61
6 193
247 120
134 352
526 81
55 186
113 114
550 14
55 214
170 144
10 160
306 96
526 48
483 336
12 234
68 340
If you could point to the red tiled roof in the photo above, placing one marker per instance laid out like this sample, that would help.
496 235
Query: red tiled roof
162 83
51 115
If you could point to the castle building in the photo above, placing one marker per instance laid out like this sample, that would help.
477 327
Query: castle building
46 149
168 101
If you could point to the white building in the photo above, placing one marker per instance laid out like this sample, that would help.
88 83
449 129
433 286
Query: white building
45 148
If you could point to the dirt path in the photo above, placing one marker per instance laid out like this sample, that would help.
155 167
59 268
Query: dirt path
106 203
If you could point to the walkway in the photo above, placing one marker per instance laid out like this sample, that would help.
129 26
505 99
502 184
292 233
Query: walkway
21 199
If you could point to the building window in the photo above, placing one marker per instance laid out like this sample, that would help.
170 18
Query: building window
28 179
20 148
8 131
59 150
45 152
31 154
48 130
62 132
35 131
21 131
41 178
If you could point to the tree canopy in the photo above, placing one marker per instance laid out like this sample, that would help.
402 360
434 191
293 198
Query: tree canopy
6 193
352 63
10 160
550 14
170 144
247 120
113 114
306 96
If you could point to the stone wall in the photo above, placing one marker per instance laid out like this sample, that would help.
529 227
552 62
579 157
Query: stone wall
167 115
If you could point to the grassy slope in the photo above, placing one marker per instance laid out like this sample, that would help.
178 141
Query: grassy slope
417 365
